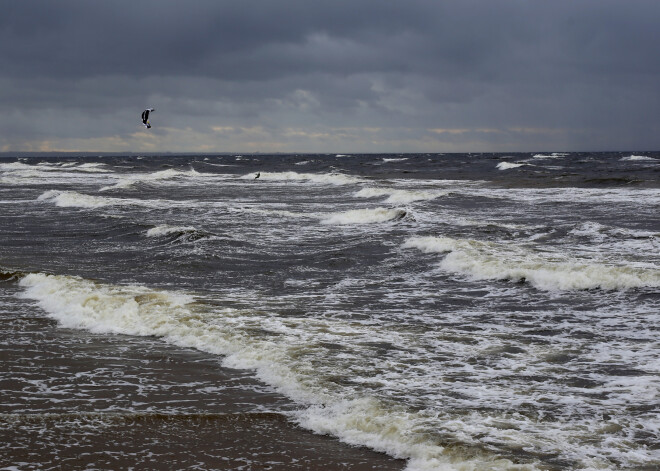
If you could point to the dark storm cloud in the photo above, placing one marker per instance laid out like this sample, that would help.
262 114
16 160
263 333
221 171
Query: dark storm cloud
581 74
73 38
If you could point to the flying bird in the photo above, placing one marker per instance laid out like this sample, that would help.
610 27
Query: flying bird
145 117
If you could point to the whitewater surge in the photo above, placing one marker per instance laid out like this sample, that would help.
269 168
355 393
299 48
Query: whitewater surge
493 261
181 319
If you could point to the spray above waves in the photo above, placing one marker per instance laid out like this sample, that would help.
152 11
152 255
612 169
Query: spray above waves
277 359
491 261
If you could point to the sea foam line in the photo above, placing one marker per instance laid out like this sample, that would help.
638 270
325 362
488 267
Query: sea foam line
490 261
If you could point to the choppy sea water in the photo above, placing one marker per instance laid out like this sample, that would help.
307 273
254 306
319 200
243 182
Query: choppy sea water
459 311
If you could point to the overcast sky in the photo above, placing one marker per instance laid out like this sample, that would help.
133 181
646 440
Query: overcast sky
330 76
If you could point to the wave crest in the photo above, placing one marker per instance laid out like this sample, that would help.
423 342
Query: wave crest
73 199
398 196
163 175
179 233
508 165
365 216
490 261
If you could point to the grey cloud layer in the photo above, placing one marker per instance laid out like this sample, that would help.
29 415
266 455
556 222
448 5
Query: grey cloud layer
582 73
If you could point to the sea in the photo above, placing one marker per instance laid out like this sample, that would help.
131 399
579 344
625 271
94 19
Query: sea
488 311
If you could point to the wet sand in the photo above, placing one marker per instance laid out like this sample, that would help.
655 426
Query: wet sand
158 441
77 400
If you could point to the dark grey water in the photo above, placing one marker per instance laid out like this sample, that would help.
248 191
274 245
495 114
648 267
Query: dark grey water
470 311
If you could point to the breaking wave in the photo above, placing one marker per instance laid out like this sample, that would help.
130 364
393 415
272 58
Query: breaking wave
637 158
73 199
398 196
180 233
128 181
508 165
490 261
365 216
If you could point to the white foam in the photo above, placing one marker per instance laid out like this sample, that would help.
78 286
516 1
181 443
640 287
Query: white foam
491 261
163 230
638 158
646 196
83 304
508 165
318 178
19 173
554 155
92 167
603 232
364 216
41 167
398 196
127 181
73 199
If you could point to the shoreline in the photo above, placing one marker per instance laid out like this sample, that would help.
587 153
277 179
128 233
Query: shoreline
76 399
